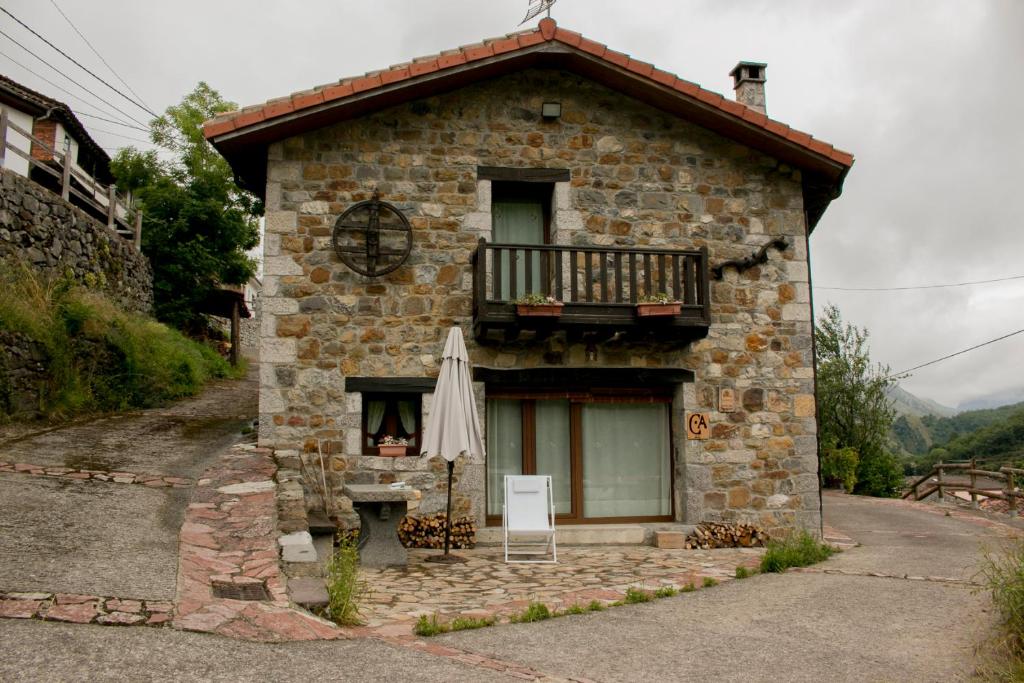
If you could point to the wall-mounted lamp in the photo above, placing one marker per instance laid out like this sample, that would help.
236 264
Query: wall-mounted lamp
551 110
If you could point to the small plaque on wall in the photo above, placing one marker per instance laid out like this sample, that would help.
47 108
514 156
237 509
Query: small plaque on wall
726 400
697 426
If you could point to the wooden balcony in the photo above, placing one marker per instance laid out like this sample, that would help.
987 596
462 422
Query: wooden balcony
598 286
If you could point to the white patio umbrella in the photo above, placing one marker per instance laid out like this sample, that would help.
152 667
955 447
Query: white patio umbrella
453 428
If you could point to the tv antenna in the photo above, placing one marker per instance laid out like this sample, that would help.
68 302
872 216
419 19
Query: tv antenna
536 7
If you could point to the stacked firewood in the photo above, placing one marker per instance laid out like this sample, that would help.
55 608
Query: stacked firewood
428 531
726 535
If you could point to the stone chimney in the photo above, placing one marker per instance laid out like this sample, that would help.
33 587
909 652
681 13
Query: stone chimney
748 80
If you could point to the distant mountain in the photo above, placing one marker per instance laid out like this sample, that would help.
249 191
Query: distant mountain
905 403
996 400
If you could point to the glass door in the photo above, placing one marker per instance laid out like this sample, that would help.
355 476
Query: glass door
519 222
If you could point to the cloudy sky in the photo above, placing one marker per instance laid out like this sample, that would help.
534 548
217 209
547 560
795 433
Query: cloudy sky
925 93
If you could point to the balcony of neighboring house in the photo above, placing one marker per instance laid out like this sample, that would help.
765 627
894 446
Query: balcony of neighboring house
593 291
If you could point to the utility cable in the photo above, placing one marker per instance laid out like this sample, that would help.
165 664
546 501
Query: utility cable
900 289
95 51
939 360
112 106
79 64
77 110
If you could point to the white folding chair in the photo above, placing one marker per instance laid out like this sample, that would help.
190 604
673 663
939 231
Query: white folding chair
528 518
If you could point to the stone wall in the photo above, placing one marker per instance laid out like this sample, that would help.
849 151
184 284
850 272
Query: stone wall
639 177
40 229
23 376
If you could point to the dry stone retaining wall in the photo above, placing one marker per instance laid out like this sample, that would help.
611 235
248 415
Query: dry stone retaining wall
40 229
639 177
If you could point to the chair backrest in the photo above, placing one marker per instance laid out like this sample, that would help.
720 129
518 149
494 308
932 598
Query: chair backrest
528 502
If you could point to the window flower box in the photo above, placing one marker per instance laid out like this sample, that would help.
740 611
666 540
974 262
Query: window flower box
391 451
538 306
658 310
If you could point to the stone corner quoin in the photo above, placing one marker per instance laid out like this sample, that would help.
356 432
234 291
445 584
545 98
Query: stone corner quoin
639 177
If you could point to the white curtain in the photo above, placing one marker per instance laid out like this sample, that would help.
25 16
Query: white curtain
518 223
553 450
374 418
626 460
504 448
407 415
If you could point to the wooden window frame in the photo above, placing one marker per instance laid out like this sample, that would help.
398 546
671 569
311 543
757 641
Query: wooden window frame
416 398
577 398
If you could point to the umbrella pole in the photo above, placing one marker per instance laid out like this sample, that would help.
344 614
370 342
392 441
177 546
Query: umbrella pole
448 512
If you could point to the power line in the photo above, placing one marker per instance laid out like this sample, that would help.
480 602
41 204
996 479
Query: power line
939 360
78 64
900 289
100 118
120 135
112 106
95 51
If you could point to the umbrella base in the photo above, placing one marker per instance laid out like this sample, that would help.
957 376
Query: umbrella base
445 559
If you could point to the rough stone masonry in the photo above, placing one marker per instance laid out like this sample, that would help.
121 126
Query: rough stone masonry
639 177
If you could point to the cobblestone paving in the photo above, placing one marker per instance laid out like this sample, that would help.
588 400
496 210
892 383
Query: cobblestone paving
150 480
485 586
230 538
85 609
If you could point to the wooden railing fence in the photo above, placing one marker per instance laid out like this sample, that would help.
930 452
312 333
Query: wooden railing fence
935 481
104 199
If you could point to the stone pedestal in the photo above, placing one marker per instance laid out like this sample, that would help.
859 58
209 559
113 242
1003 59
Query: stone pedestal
380 510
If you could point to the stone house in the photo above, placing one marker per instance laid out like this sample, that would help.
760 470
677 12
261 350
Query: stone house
545 163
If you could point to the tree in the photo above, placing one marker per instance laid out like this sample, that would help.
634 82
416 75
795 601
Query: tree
853 410
197 223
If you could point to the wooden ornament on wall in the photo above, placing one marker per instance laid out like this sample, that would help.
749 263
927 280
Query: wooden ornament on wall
372 237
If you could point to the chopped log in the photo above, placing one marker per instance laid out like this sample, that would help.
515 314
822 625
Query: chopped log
708 535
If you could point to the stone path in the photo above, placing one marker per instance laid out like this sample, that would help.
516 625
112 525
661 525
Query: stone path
85 609
229 540
485 586
150 480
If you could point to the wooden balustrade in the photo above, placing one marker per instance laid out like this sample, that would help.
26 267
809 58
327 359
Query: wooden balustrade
75 184
598 286
924 486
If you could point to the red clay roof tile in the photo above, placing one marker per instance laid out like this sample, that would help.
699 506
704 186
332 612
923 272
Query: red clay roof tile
547 30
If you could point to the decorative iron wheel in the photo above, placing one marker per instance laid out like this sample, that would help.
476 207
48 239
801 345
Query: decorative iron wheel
372 237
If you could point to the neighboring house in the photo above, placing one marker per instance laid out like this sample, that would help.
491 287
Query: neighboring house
544 162
55 128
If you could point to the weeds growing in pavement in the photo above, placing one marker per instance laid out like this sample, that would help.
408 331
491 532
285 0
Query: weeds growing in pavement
1002 573
743 572
637 595
688 588
344 589
666 592
535 611
709 582
796 550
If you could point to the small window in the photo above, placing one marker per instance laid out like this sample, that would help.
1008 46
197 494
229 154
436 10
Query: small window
394 415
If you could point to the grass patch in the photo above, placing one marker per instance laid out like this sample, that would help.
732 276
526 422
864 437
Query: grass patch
573 609
709 582
1002 572
666 592
535 611
688 588
343 585
99 357
637 595
596 606
743 572
427 627
797 550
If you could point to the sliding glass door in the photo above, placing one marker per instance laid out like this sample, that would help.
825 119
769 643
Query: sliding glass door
609 458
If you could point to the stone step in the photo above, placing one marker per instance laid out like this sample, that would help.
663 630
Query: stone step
594 534
308 591
319 525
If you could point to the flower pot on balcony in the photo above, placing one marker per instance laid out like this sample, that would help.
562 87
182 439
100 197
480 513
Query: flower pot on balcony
658 310
391 451
539 310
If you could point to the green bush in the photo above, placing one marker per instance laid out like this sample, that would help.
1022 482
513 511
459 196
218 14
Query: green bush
796 550
880 475
99 357
344 588
839 468
1003 574
535 611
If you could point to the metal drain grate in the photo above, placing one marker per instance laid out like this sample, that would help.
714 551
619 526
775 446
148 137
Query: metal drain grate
256 590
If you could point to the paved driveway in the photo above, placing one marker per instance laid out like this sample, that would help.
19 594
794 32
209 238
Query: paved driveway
791 627
61 533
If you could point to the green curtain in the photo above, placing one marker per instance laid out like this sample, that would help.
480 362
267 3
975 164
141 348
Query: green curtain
518 223
626 460
504 448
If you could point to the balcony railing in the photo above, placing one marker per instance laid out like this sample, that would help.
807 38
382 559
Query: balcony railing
599 287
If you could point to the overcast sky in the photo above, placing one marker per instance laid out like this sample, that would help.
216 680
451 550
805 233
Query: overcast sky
925 93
